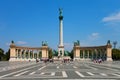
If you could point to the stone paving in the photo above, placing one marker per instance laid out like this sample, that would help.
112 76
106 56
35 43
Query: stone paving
5 65
77 70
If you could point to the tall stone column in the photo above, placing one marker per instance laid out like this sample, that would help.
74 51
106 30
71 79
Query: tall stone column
88 54
24 54
20 54
28 54
33 55
16 53
83 54
61 46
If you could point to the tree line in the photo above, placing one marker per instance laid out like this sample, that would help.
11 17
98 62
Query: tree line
116 54
4 56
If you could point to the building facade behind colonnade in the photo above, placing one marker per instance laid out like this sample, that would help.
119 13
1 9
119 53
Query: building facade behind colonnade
92 53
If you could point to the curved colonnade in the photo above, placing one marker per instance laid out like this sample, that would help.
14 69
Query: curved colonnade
93 53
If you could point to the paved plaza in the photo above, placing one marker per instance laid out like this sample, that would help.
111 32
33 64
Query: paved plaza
77 70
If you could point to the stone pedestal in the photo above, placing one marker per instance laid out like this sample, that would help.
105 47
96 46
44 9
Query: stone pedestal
76 52
44 52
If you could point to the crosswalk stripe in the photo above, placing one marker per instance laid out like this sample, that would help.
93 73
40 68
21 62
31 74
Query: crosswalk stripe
41 68
57 67
17 71
81 75
53 73
42 73
74 67
64 74
116 75
32 73
21 73
103 74
90 73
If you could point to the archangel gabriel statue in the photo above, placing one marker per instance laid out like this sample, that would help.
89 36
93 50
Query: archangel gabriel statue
60 10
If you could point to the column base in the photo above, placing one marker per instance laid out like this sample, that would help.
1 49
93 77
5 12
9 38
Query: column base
109 59
12 59
76 58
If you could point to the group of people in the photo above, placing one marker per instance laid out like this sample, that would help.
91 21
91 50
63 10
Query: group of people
98 61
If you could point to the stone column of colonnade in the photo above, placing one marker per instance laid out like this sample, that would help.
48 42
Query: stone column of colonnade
83 54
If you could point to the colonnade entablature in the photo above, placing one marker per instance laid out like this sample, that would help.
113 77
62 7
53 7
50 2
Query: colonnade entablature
93 53
20 53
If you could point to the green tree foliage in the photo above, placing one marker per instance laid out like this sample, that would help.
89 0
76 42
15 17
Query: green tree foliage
7 55
50 54
40 54
55 53
115 54
1 54
71 54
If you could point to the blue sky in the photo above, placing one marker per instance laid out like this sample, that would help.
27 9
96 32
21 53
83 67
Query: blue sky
29 22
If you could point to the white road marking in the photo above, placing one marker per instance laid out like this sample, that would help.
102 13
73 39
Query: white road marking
74 67
81 75
32 73
58 67
103 74
90 73
64 74
91 67
53 73
116 75
42 73
21 73
81 79
17 71
41 68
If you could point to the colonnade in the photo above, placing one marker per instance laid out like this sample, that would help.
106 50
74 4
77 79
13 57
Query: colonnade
18 53
28 54
93 53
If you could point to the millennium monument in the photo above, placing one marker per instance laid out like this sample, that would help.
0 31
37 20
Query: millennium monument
21 53
61 45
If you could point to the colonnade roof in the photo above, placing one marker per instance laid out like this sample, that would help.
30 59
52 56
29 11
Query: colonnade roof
28 48
91 47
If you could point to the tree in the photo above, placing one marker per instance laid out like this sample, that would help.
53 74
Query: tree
71 54
1 54
50 53
55 53
115 54
7 55
115 43
40 54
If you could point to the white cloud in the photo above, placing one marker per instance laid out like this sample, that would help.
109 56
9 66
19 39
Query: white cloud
94 36
8 44
21 42
112 18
